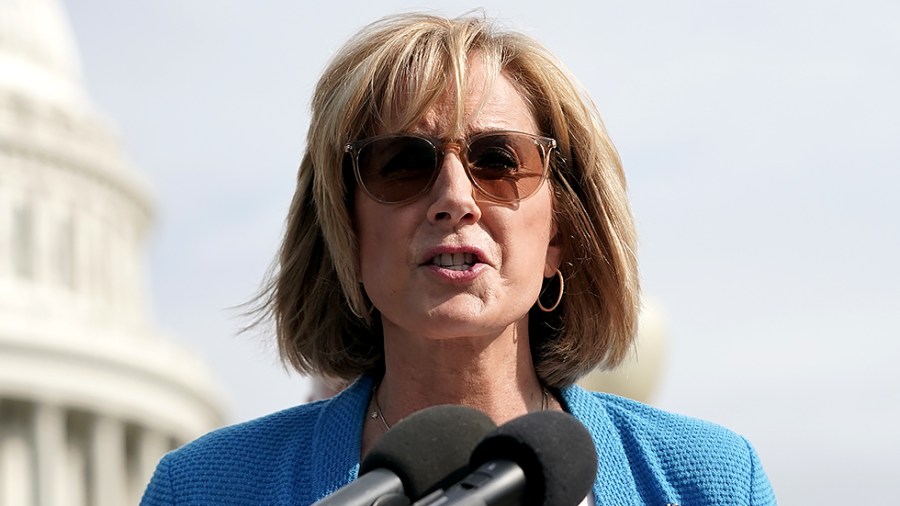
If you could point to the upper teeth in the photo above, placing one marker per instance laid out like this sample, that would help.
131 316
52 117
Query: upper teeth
454 261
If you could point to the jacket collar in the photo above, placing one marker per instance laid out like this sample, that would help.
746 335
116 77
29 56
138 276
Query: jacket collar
338 433
615 483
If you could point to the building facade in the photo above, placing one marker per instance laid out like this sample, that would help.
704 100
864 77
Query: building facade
91 393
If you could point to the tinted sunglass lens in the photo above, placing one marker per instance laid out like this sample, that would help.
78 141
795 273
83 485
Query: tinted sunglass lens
507 167
396 169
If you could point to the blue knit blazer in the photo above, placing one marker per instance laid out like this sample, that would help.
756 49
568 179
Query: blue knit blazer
300 455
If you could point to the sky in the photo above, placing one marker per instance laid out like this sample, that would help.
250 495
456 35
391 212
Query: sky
760 140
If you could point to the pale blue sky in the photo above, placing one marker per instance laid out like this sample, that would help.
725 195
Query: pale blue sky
761 143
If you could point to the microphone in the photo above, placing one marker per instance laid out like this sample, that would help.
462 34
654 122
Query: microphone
541 459
426 451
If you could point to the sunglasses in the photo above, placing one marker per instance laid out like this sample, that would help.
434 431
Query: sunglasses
504 167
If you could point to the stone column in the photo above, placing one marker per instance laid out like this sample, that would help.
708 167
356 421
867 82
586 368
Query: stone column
108 462
16 456
6 212
50 451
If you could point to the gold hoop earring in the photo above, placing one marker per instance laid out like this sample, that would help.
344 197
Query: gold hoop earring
562 288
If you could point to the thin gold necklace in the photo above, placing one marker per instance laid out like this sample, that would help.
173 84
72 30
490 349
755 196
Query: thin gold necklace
376 412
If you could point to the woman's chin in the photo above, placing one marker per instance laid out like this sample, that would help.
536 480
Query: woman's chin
449 322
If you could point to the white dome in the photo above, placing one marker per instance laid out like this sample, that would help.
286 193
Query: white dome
639 375
37 52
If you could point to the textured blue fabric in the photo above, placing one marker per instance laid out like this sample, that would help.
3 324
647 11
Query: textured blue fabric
298 456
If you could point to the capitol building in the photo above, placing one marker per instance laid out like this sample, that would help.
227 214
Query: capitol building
91 393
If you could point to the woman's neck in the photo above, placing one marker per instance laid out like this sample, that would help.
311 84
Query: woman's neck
494 374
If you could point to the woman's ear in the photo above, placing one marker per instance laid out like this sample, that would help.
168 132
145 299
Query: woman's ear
554 253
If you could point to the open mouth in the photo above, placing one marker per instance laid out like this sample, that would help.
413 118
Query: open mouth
455 261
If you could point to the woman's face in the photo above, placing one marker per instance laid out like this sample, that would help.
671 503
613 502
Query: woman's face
506 249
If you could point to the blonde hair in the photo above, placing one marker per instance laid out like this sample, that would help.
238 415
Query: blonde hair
385 79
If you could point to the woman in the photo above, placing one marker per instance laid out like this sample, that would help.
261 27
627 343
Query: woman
460 234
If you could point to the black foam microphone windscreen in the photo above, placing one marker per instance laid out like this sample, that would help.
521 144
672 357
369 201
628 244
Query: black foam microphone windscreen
553 449
430 449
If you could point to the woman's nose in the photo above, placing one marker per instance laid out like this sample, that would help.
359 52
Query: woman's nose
453 196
